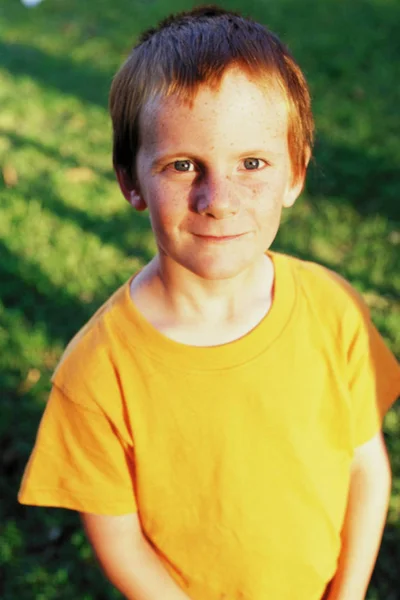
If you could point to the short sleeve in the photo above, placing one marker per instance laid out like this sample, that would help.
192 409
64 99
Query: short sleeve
373 375
79 461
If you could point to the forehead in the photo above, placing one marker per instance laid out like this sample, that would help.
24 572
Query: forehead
238 107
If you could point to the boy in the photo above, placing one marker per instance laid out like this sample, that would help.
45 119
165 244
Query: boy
217 422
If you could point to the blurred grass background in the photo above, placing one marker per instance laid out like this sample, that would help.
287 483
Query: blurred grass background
68 239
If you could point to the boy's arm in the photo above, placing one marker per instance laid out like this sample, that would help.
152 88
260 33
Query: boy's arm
128 560
364 521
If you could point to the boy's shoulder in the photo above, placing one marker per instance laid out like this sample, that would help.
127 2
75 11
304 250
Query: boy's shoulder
332 304
87 358
318 283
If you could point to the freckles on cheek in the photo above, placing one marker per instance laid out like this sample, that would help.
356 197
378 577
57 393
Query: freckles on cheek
268 192
266 204
261 195
168 211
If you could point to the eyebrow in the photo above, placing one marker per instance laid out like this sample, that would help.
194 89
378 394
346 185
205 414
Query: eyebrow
257 152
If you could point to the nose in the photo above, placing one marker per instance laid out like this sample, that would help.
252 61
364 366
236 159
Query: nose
216 197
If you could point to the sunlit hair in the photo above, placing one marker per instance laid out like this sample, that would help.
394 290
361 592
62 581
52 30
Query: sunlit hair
195 48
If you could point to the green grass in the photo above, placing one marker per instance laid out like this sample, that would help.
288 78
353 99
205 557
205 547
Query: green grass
68 239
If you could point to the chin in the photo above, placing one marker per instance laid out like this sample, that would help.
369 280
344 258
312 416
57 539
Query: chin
218 272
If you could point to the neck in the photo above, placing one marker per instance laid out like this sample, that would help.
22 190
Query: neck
192 298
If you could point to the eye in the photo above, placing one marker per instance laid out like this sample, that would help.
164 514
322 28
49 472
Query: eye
253 164
183 165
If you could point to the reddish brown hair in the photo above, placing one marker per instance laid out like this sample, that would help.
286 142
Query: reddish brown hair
195 48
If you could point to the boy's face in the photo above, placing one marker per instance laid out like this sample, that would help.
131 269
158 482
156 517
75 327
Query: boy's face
215 175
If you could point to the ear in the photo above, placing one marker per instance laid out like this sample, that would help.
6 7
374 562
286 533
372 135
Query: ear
130 189
295 187
293 191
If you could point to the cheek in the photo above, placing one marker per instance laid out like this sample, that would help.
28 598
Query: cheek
269 218
167 208
266 197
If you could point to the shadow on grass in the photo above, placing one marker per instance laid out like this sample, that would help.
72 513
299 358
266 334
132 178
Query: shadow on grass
126 230
371 184
24 287
63 159
86 82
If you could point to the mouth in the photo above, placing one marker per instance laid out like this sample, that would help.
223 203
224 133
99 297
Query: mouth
219 238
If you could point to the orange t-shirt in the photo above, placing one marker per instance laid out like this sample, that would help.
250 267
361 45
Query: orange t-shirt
236 456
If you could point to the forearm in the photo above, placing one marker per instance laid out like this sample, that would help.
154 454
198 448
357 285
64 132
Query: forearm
144 578
362 531
131 564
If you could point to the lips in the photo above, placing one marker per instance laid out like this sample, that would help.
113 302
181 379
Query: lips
224 236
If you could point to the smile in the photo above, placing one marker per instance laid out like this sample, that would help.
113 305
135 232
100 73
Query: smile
219 238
